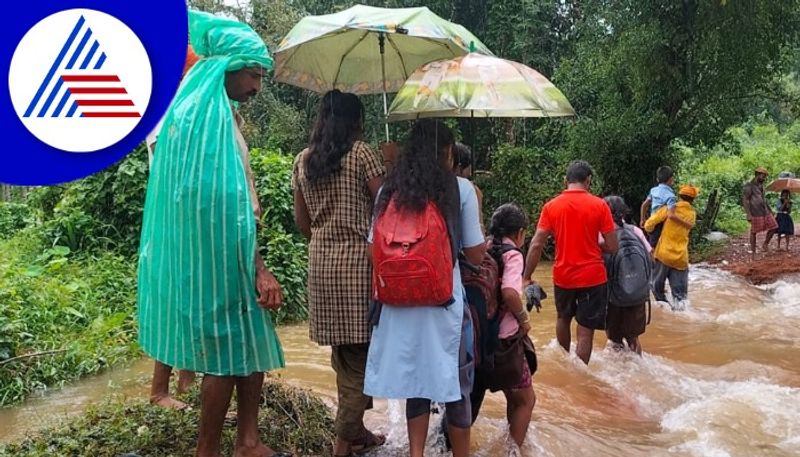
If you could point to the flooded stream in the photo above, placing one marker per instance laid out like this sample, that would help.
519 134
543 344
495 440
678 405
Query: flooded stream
720 379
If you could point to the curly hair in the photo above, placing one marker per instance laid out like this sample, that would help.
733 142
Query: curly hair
507 221
421 173
619 209
339 121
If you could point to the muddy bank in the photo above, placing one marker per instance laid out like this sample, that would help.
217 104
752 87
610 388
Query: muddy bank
767 268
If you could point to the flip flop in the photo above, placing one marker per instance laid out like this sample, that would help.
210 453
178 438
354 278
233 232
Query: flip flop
366 444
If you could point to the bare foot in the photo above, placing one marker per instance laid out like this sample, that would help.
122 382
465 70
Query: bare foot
168 402
260 450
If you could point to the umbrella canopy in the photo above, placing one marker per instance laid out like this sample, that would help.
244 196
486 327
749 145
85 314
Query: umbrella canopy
790 184
477 85
343 50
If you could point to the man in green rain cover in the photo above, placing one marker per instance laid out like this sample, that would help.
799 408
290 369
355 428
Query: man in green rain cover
204 291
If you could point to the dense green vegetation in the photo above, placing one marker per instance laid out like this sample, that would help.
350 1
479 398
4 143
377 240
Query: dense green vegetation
63 316
727 166
68 271
289 420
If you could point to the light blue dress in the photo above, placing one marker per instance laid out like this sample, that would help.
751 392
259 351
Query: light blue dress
414 351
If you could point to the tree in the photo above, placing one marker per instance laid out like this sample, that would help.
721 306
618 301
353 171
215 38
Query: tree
647 73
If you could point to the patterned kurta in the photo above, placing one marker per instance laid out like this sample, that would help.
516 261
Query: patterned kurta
339 270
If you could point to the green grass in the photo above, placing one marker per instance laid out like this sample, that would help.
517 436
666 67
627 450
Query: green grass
289 419
62 316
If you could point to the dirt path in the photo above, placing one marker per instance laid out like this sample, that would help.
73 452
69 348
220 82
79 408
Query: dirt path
768 267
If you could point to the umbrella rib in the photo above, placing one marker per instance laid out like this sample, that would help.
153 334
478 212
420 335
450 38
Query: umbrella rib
399 55
344 56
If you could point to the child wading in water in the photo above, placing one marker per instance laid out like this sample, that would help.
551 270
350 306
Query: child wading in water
511 372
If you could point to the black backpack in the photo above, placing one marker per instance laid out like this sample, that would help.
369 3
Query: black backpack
485 318
629 270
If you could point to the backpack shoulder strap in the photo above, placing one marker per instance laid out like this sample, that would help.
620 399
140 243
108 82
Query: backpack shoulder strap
453 217
498 250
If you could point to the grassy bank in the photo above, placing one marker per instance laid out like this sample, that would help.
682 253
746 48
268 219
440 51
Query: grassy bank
62 316
290 419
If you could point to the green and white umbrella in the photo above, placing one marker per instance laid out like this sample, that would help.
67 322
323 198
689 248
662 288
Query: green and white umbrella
368 50
477 85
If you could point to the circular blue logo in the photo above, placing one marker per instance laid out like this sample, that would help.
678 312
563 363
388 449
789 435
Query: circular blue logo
87 81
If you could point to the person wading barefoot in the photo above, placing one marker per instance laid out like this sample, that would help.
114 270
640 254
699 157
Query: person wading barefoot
574 219
204 291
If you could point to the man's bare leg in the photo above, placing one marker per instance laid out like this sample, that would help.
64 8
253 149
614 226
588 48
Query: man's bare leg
753 245
159 390
585 341
185 381
563 332
215 399
768 238
248 441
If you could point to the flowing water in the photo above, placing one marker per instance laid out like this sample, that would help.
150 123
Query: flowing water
719 379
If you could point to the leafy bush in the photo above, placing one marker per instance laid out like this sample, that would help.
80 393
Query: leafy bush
528 177
13 217
100 212
290 419
728 167
286 250
62 317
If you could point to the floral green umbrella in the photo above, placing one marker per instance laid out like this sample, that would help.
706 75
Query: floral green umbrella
368 50
477 85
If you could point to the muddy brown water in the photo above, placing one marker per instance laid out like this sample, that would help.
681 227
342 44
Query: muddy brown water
719 379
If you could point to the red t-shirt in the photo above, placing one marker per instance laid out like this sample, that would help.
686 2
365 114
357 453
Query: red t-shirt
575 218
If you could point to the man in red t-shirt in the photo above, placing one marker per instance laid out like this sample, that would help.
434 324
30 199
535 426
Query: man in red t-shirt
574 219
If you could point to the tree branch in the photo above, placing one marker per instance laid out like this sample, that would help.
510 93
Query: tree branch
28 356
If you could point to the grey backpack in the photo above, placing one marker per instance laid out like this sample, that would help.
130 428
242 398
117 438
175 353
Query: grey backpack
629 270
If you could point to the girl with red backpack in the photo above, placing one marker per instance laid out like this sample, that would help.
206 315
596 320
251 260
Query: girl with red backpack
421 348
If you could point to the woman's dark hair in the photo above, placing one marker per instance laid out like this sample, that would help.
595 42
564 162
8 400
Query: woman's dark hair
462 156
507 221
339 121
619 210
420 174
686 198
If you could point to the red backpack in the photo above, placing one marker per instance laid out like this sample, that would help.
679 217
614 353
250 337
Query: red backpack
412 258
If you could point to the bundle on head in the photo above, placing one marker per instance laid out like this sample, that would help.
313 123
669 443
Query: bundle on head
339 123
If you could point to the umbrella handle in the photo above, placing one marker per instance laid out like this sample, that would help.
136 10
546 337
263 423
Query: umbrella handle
382 45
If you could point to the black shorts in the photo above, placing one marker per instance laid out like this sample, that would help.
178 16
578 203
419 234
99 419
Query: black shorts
626 322
587 305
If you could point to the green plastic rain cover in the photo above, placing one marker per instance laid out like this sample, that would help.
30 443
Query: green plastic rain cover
197 299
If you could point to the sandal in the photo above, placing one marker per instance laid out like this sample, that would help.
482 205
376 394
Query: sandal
369 442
